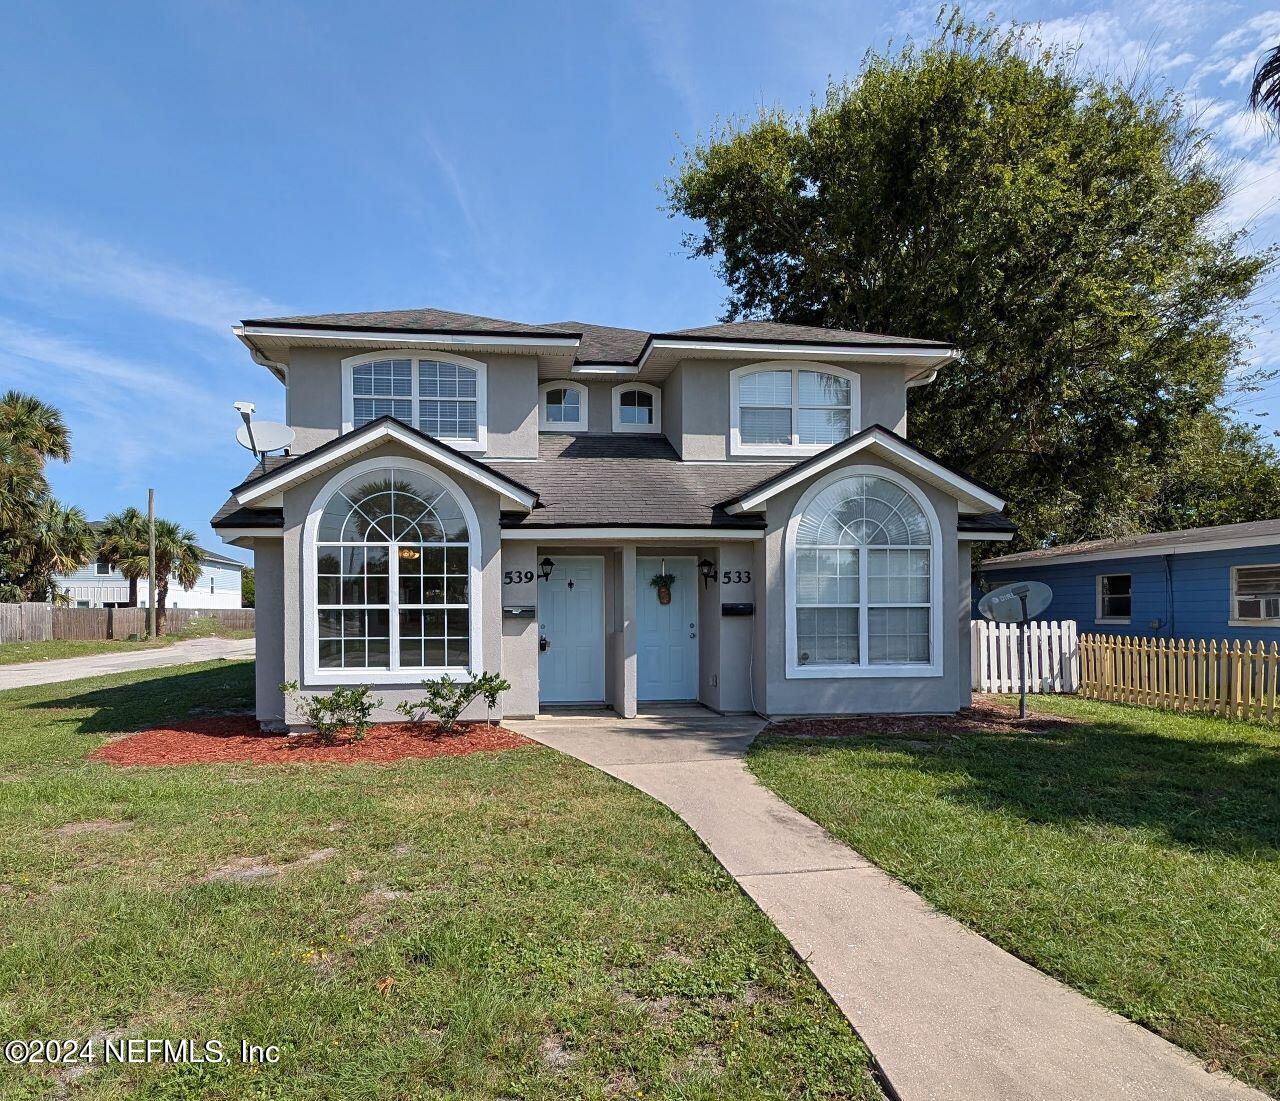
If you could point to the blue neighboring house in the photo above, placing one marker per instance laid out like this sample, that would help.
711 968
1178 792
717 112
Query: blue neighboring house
1207 583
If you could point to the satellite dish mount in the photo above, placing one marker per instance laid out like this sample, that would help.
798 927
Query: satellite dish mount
263 437
1017 603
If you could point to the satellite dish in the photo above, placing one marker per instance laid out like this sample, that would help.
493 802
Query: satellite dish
1016 603
263 436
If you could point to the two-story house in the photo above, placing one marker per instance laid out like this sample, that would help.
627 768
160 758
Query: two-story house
730 514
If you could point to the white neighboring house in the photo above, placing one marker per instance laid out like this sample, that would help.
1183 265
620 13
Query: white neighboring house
98 585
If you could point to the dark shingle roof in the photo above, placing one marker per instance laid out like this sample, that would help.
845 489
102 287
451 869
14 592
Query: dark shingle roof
1151 542
233 515
987 522
597 343
593 481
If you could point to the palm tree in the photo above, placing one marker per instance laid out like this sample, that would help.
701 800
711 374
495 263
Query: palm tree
122 542
57 540
1265 93
178 557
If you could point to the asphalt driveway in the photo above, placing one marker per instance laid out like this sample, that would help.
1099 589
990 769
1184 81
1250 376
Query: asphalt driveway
98 665
945 1012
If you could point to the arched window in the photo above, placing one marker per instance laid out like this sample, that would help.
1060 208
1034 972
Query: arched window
862 579
441 394
785 408
394 557
562 407
637 407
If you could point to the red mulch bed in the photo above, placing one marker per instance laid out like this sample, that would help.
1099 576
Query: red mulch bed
237 740
983 717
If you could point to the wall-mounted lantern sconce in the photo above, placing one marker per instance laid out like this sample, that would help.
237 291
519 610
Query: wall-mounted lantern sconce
707 569
544 569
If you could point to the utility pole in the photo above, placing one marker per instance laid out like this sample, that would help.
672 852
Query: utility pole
151 563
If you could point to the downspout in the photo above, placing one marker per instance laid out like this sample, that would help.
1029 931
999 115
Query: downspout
1168 594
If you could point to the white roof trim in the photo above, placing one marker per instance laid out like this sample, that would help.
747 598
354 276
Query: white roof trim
611 535
1236 542
984 536
391 335
359 441
972 498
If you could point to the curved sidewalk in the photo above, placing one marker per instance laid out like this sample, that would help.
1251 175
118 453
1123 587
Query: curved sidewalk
946 1013
100 665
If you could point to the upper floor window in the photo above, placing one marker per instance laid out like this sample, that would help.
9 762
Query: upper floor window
637 407
783 408
1115 597
562 407
441 394
102 568
1255 595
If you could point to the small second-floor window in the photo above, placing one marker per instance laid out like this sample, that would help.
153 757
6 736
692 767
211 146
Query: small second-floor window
637 407
102 568
1255 594
563 407
442 397
780 407
1115 600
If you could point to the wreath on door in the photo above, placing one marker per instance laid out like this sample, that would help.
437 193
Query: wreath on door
663 582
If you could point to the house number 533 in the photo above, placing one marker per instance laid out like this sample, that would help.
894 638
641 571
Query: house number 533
735 577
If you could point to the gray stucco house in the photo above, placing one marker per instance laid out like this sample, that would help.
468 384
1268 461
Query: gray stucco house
468 494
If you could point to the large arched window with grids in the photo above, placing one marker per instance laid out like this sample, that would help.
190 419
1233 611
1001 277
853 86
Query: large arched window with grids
862 579
394 562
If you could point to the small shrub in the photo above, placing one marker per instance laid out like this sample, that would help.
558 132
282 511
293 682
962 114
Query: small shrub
342 709
447 698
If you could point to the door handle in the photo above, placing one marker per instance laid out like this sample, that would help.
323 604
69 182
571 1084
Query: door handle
693 632
544 644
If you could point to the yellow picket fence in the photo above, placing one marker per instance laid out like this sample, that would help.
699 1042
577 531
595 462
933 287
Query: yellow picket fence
1227 679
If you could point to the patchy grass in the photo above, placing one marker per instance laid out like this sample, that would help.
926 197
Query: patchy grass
15 653
503 925
1133 853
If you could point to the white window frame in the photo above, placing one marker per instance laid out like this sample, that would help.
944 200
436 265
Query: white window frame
736 445
1233 617
314 675
937 611
1116 620
545 425
480 443
648 388
98 570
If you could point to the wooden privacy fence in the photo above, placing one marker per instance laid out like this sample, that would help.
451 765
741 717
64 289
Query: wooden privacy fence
1234 681
43 622
1052 657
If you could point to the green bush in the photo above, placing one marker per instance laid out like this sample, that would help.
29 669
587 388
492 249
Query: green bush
447 698
342 709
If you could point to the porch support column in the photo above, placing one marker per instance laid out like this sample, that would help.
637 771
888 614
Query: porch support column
627 651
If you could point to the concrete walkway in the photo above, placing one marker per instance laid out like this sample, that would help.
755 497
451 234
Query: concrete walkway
98 665
946 1014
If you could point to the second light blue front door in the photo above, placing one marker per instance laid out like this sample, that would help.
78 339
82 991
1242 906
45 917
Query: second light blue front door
667 634
571 630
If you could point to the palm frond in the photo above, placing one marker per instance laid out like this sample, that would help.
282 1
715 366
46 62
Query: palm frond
1265 93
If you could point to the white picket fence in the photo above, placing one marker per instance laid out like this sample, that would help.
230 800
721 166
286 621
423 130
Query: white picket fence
1053 656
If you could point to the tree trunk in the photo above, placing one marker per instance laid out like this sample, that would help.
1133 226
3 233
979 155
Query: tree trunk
162 595
133 592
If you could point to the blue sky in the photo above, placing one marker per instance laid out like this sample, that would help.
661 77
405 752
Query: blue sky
175 167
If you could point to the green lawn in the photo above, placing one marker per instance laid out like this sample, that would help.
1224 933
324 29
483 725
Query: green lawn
14 653
550 932
1134 854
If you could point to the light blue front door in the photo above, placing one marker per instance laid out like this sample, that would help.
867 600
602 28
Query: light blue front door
571 629
667 634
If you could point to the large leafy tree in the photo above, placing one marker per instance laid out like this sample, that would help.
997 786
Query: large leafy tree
1060 228
39 538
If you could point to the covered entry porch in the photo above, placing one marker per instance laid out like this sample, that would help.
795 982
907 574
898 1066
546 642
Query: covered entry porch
590 621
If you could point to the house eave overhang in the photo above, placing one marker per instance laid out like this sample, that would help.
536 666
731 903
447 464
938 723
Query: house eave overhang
612 533
1105 554
340 451
929 358
880 443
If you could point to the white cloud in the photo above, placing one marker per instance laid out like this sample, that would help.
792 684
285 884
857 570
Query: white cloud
51 257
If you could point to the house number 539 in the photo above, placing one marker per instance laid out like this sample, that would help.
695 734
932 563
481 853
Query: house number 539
517 577
735 577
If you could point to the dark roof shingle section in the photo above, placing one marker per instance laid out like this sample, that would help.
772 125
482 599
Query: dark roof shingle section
232 515
780 333
1254 529
597 343
593 481
987 521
